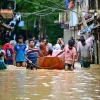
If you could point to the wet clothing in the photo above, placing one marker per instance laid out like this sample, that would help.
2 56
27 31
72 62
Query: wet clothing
20 52
2 64
85 50
85 55
69 54
9 51
85 63
20 62
32 55
8 62
68 65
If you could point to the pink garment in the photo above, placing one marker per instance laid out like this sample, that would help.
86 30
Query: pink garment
69 54
55 52
78 44
57 47
90 41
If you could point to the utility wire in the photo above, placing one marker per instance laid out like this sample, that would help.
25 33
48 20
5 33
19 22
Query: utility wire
51 7
36 11
43 5
56 4
42 14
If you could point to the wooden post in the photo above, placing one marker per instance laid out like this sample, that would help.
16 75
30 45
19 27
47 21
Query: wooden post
74 32
98 54
97 6
99 47
95 51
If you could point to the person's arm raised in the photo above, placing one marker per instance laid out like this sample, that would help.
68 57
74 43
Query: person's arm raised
61 41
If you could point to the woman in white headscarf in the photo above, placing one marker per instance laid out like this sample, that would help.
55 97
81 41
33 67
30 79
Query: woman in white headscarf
57 49
60 42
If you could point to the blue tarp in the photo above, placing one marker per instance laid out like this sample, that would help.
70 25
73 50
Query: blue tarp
87 30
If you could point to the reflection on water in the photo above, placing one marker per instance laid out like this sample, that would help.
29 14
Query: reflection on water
22 84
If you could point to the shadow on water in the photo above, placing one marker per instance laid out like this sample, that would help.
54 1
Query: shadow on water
22 84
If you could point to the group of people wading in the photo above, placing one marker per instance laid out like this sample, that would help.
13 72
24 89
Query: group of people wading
26 54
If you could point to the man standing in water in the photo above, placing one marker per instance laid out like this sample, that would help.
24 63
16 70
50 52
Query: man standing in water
86 53
19 48
70 53
31 55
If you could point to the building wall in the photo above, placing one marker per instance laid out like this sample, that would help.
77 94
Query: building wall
68 34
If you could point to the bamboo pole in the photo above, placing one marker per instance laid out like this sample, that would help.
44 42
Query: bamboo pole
99 46
97 6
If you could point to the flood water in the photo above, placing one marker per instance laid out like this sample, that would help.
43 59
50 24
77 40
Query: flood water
22 84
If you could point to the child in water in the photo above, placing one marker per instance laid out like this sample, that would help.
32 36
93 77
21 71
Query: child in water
2 64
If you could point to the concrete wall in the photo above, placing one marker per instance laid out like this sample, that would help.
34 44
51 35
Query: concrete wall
68 34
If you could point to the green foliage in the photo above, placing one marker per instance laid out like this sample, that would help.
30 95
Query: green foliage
42 7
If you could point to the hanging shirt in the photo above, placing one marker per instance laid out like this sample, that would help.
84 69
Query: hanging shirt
20 52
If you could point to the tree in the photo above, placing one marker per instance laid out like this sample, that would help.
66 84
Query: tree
45 12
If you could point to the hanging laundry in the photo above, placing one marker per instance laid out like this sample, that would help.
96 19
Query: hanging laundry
73 18
82 17
67 3
78 33
85 7
71 4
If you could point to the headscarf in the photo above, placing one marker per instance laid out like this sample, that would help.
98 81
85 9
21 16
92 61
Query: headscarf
57 47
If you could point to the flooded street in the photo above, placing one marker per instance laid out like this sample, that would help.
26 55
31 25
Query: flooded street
22 84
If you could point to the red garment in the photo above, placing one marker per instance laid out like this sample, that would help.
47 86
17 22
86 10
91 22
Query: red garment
7 45
43 49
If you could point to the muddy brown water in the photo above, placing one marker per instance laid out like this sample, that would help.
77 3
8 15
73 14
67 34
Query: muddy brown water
22 84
